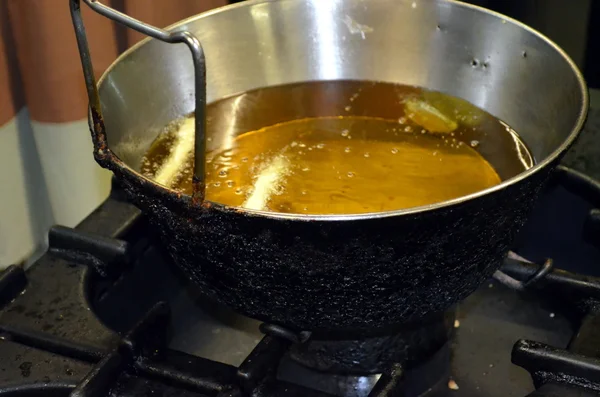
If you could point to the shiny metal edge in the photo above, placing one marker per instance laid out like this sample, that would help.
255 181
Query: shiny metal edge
384 214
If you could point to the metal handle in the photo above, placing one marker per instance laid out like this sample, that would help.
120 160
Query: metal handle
97 122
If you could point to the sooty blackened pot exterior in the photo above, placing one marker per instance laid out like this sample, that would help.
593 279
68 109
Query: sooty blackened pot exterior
353 271
338 275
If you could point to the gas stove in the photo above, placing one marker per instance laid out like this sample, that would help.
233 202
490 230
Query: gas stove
103 313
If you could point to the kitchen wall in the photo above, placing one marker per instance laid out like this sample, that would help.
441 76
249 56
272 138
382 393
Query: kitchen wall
47 171
48 176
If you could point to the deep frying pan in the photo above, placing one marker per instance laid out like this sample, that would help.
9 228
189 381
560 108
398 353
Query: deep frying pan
344 271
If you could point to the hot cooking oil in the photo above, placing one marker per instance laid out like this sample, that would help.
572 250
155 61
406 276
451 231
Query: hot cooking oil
345 159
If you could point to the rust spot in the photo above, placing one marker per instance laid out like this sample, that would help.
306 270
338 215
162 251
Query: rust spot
198 192
98 122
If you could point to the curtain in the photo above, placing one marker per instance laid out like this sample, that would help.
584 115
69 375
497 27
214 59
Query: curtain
48 175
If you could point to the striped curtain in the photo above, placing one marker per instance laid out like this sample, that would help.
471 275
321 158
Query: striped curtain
47 173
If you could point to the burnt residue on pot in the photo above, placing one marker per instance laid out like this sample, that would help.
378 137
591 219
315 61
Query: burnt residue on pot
323 275
409 344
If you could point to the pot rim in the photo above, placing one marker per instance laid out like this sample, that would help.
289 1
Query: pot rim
116 163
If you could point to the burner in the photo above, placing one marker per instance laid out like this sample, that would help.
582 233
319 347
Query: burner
410 344
103 313
423 380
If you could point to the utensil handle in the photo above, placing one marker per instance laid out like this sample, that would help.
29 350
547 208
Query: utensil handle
97 126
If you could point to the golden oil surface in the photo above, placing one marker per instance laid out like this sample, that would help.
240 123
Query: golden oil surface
346 163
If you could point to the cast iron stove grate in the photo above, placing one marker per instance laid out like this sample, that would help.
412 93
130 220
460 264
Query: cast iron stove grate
93 317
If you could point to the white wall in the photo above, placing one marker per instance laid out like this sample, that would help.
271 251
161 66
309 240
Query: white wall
47 176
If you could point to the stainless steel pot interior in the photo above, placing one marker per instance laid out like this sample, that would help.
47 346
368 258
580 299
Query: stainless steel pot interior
494 62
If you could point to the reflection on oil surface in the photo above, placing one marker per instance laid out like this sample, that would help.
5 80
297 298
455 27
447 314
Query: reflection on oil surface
341 147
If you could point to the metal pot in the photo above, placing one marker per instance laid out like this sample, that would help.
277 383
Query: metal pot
336 272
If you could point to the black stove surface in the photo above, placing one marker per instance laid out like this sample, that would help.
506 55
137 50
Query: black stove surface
103 313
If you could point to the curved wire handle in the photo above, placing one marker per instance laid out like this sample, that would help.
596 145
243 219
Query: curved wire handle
98 127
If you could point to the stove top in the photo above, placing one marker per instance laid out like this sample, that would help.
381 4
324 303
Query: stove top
102 313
